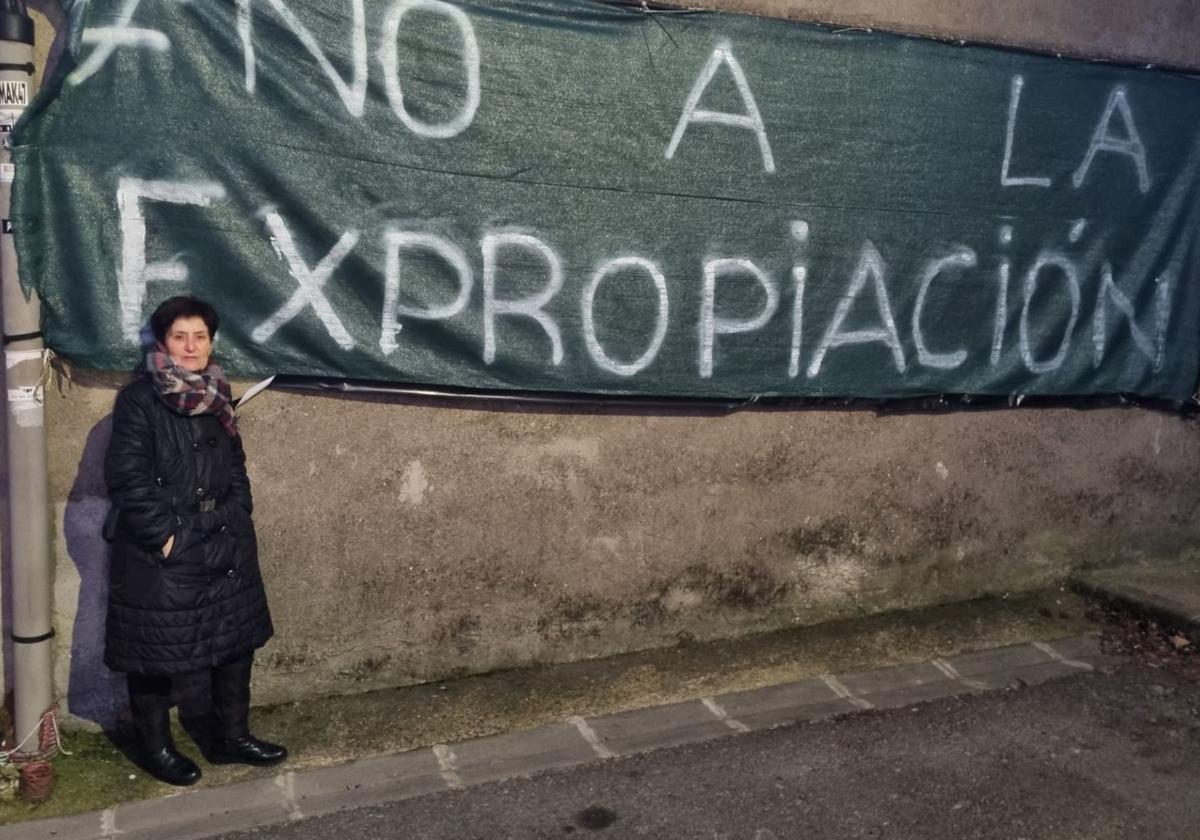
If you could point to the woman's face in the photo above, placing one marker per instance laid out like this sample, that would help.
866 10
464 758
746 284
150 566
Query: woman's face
189 344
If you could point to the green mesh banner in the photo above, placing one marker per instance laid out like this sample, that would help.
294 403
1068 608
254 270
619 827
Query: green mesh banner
583 197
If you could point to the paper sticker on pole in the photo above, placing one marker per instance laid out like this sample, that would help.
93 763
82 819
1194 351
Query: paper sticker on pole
25 406
14 94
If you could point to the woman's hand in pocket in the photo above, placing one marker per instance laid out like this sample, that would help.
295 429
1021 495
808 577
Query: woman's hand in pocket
166 549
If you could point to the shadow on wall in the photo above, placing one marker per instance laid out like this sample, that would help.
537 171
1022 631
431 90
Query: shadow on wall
94 692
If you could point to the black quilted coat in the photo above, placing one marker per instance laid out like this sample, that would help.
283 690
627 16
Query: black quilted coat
203 604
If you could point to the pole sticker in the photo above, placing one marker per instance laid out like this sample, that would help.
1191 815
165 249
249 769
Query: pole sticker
14 93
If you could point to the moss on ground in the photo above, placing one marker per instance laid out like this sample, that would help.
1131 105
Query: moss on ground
95 775
331 730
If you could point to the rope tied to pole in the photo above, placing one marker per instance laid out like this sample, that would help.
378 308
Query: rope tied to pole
36 771
54 369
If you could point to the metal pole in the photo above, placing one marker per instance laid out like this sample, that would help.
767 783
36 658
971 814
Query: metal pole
28 530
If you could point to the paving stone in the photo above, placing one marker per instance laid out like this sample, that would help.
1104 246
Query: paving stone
661 726
888 679
522 753
203 812
986 662
1029 674
1082 648
367 781
909 695
779 705
81 827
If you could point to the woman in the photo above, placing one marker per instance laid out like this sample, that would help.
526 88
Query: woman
185 592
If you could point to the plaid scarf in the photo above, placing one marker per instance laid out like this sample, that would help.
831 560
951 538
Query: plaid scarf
190 393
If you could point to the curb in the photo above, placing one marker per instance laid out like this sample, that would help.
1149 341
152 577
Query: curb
295 795
1141 602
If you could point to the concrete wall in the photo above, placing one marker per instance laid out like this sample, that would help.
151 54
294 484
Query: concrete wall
1161 32
406 541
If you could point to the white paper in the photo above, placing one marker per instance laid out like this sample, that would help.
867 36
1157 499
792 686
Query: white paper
254 390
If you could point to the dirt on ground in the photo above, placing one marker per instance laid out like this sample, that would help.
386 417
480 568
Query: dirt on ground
1125 634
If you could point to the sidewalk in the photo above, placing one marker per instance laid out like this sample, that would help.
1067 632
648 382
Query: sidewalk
294 795
406 722
1168 593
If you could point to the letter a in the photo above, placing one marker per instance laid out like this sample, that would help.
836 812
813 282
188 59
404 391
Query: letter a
752 120
1102 141
870 267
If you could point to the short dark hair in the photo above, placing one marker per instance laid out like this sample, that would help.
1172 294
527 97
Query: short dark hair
182 306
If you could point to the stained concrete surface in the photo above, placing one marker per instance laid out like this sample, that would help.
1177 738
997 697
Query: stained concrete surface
403 543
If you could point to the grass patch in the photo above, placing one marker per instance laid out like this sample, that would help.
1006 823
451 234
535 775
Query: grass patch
96 775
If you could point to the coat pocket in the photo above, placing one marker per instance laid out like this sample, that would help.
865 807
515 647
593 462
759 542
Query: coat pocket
137 576
186 540
152 582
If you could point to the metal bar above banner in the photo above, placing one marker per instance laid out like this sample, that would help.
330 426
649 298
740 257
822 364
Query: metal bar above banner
932 404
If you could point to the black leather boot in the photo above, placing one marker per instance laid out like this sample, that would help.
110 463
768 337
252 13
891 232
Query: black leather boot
232 742
246 750
150 702
169 765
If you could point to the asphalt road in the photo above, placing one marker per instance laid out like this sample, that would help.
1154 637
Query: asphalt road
1092 757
